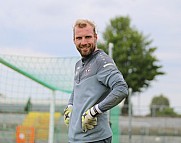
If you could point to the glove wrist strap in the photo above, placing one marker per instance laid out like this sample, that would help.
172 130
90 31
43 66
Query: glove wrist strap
69 106
94 111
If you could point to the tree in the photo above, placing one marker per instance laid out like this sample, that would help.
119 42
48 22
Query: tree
132 53
160 106
28 106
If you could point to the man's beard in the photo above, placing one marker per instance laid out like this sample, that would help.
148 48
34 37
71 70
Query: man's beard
86 51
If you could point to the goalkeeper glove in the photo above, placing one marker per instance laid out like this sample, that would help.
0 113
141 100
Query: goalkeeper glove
89 119
67 113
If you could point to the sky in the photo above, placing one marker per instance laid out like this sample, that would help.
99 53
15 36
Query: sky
44 28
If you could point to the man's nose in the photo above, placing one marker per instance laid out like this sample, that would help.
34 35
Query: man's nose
83 41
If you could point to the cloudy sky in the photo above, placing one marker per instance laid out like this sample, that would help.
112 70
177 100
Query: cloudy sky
44 28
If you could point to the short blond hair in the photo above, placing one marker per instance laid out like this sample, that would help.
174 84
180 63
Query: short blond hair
81 23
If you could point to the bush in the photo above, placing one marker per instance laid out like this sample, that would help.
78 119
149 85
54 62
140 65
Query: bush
167 112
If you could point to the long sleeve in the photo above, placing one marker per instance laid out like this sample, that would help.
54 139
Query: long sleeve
70 102
110 76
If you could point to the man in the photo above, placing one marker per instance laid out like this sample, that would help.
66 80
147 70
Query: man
98 87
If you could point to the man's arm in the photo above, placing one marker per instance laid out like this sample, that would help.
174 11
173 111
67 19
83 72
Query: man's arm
110 76
119 91
70 102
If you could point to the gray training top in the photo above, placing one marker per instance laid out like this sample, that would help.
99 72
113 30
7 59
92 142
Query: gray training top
97 81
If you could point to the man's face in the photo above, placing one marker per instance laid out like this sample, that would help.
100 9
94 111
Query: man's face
85 40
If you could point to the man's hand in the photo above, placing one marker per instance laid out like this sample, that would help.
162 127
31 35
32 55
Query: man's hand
89 119
67 113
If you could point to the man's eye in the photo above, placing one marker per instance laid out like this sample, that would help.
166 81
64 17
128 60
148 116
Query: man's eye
78 38
88 37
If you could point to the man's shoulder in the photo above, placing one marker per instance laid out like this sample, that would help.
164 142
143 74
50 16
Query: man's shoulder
102 58
78 63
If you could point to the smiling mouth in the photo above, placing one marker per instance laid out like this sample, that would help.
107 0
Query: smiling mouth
84 50
84 47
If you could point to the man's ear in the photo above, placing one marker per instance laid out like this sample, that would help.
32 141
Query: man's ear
95 36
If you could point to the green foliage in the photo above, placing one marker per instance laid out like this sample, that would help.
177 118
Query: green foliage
160 101
160 107
132 53
28 106
167 112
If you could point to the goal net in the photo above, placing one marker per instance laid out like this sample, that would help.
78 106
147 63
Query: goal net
33 93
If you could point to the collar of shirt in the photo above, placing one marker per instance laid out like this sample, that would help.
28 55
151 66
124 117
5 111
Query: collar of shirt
86 59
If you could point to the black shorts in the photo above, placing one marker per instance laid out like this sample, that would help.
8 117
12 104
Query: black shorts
107 140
